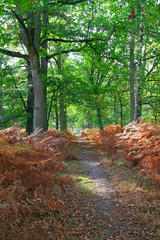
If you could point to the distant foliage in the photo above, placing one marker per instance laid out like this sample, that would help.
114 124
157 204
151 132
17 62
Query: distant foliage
29 180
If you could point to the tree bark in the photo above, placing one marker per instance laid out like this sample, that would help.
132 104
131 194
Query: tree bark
138 76
121 112
89 120
131 78
31 39
30 101
1 108
38 121
63 115
99 115
57 115
44 70
62 105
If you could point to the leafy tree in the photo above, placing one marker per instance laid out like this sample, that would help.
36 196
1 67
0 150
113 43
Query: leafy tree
33 21
112 67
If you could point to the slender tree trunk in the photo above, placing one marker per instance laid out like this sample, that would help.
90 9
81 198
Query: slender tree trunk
44 70
121 111
116 114
1 116
131 79
63 115
30 101
89 124
99 115
57 115
138 76
62 105
44 86
0 107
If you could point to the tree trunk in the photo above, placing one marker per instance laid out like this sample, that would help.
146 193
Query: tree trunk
131 79
30 101
62 105
0 107
99 115
138 76
121 111
89 123
116 113
57 115
44 70
38 121
1 116
63 115
30 35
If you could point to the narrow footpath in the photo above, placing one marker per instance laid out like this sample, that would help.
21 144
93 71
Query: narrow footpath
100 215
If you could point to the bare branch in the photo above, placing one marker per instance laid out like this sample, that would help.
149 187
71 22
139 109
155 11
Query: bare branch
14 54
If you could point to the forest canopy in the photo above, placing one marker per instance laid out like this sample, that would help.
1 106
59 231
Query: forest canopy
79 63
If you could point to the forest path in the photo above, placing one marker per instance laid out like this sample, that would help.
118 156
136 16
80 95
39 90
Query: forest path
101 213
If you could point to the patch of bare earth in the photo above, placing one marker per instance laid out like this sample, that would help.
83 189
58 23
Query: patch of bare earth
97 212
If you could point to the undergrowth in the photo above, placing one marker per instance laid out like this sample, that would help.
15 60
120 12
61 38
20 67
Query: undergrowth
30 183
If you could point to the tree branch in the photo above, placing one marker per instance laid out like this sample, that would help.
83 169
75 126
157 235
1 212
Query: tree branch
69 2
151 57
21 97
153 67
73 41
26 35
65 51
151 105
100 53
20 22
14 54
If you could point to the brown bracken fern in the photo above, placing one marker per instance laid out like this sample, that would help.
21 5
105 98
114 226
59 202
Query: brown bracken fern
29 180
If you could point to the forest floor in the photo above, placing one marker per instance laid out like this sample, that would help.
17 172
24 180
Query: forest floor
95 208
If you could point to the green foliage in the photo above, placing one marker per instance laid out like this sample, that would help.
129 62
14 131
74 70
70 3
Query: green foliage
13 89
96 78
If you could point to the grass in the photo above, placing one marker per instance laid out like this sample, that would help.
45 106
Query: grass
82 182
85 184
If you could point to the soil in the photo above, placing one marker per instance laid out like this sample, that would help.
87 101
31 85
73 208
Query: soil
100 214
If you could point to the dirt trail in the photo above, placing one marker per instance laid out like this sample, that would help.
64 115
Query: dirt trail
107 213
